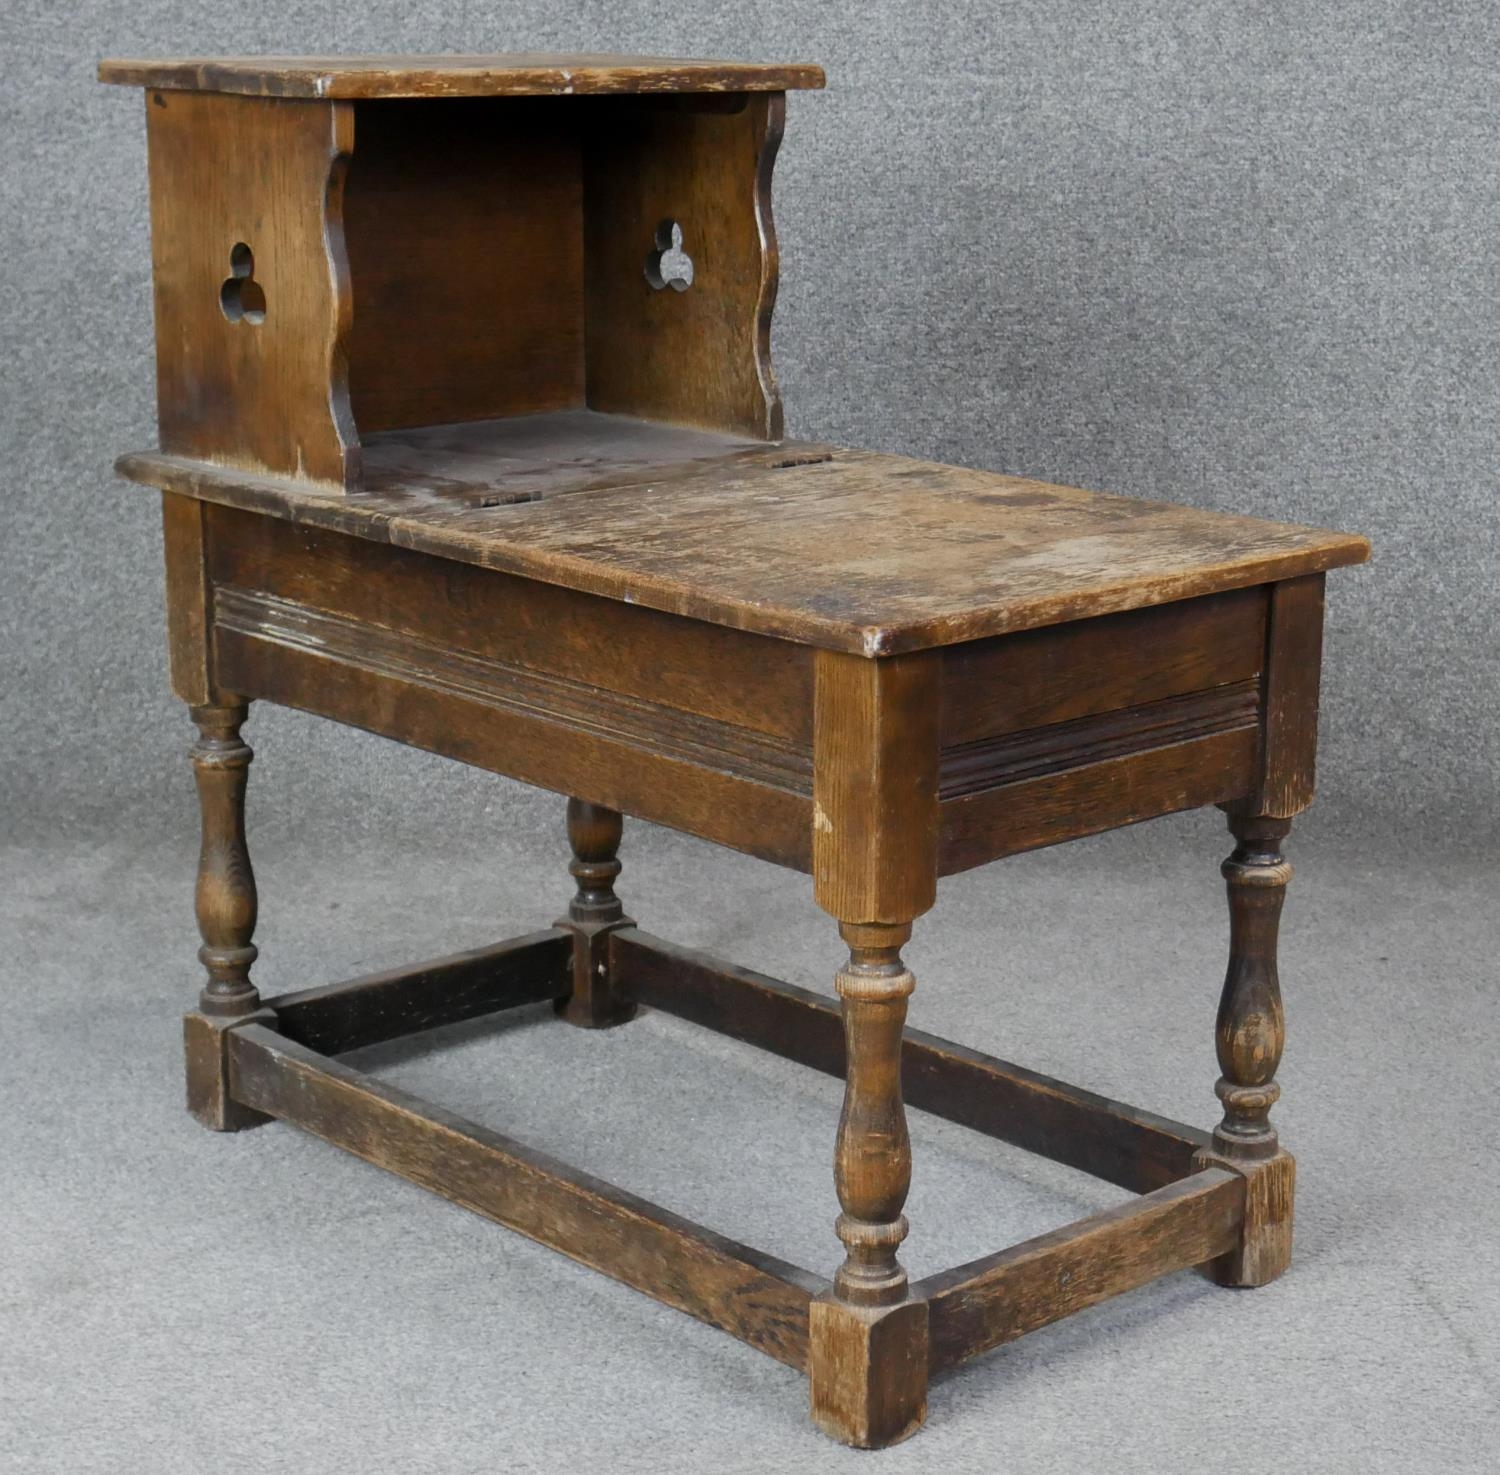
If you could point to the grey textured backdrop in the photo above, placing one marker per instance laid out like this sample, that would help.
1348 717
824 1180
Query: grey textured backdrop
1240 256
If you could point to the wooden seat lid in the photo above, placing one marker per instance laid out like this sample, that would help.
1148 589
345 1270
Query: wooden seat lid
518 74
851 550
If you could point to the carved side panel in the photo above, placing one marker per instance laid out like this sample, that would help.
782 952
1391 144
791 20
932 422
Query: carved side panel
253 305
678 324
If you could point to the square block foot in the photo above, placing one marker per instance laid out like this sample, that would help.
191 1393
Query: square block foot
867 1370
593 1002
1265 1247
205 1038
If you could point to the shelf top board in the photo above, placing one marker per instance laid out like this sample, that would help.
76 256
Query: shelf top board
849 550
515 74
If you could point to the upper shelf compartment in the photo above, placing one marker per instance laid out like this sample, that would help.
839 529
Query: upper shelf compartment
457 243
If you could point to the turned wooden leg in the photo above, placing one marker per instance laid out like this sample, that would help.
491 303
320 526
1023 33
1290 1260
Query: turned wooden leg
226 906
868 1336
595 911
1249 1035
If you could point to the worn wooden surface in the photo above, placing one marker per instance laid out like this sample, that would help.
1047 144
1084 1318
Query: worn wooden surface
867 1370
574 549
700 356
693 725
1293 673
1003 1296
463 223
1012 758
341 625
491 463
866 553
268 396
1250 1030
593 914
1065 673
205 1050
700 777
1078 787
1249 1035
1122 1144
875 786
226 904
353 629
761 1300
1262 1250
466 260
376 1007
513 74
872 1151
658 660
225 896
185 553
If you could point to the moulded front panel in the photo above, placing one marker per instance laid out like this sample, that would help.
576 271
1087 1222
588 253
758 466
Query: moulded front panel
1062 731
464 228
1008 684
688 724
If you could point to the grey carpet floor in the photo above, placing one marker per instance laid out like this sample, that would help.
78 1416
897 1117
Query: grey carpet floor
176 1301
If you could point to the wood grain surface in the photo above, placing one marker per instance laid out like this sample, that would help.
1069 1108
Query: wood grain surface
864 552
867 1370
526 458
512 74
185 548
753 1296
376 1007
1050 807
700 356
264 569
1122 1144
1005 1295
463 222
246 186
1066 672
1293 675
875 786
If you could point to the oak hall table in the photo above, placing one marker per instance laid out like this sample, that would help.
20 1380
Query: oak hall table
469 437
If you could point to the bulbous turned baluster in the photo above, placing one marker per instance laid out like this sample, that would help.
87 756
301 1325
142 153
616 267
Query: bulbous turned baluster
594 832
1249 1037
872 1160
225 896
1251 1030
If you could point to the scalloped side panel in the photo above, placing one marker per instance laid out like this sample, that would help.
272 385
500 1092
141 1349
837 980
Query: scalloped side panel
695 354
253 302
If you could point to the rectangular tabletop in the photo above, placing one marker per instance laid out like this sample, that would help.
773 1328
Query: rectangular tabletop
855 551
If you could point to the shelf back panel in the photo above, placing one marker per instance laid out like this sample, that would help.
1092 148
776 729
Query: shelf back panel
464 227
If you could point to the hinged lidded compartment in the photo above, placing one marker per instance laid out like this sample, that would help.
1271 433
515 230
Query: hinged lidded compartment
516 249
